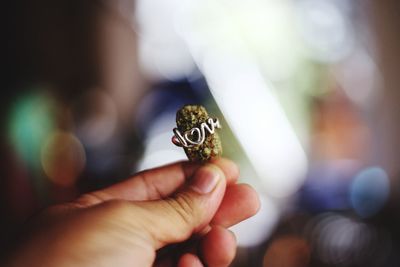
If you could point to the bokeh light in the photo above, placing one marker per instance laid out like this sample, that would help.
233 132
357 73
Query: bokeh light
306 92
95 117
288 251
369 191
31 120
63 158
325 30
340 240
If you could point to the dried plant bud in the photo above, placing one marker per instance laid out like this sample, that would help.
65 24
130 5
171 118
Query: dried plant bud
196 133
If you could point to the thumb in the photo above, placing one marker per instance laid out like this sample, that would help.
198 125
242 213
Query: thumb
175 219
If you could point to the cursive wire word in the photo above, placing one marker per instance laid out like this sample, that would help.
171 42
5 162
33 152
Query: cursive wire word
197 135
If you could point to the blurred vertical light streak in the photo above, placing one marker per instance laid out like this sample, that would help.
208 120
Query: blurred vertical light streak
247 101
258 121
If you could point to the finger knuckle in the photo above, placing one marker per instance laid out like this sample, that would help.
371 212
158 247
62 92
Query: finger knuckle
87 200
184 207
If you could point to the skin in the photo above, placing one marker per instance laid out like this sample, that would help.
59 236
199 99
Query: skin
168 216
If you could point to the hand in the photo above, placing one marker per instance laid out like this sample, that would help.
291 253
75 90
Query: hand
168 216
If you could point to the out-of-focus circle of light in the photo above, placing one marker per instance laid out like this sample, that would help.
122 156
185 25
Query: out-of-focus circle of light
96 118
169 61
30 122
369 191
337 239
325 30
257 229
288 250
359 77
162 53
63 158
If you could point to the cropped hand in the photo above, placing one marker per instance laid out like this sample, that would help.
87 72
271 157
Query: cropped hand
175 215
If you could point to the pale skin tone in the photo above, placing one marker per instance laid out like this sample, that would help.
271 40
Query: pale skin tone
175 215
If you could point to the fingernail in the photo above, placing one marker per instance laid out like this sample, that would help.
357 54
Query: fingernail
205 180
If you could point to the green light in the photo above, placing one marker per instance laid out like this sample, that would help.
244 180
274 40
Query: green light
31 120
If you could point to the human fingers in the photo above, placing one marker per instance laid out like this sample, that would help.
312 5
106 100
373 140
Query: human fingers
157 183
175 219
189 260
218 247
239 203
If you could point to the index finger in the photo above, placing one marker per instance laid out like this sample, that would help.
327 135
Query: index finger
161 182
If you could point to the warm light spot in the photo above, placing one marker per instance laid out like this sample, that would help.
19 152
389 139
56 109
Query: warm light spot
63 158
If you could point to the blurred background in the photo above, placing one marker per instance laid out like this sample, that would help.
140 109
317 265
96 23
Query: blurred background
306 91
